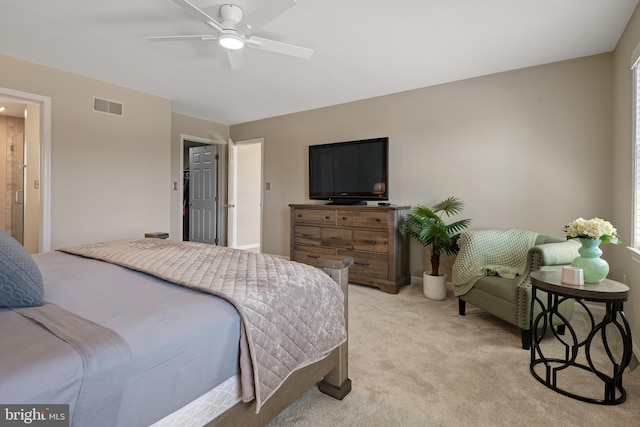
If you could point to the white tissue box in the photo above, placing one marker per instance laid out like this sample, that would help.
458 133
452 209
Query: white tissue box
572 276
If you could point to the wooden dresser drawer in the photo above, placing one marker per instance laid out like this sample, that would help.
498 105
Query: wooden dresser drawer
371 241
315 216
371 235
307 235
367 264
366 219
310 254
337 237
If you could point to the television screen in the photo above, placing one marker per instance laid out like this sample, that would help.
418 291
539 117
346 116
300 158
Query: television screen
349 172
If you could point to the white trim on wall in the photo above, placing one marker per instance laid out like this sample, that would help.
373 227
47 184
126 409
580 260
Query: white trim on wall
635 56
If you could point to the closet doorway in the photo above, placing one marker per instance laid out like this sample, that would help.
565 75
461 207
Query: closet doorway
201 188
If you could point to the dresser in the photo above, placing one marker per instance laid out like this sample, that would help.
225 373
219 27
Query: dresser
372 235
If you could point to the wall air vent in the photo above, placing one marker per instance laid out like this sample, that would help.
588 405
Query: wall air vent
109 107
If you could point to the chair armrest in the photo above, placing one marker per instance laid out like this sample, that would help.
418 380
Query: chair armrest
561 253
546 254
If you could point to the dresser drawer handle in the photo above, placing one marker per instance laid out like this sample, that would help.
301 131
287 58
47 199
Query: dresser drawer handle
378 220
344 218
372 242
299 215
336 238
307 235
327 217
362 264
313 256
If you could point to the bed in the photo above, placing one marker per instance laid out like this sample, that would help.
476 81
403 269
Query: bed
156 332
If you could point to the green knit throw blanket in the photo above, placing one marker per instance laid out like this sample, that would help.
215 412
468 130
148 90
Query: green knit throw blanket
490 252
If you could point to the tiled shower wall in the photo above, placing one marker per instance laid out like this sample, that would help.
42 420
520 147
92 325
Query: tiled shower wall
11 176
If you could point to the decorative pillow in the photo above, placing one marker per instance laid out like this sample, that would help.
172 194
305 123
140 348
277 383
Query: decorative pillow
20 279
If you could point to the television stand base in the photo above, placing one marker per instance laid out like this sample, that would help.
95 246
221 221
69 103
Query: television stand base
347 202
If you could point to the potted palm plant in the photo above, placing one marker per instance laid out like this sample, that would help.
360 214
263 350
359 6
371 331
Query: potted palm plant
427 226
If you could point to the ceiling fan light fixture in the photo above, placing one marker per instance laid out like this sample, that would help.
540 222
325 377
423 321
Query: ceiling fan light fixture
231 41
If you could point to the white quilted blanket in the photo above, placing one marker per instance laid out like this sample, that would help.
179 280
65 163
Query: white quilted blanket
292 313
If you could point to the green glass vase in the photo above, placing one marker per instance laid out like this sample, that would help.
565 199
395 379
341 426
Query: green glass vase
595 268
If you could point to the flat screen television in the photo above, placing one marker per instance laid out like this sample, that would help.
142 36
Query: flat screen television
350 172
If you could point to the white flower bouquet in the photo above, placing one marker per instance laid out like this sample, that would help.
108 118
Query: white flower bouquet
594 228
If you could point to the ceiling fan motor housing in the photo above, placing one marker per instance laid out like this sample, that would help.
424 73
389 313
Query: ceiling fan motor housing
231 15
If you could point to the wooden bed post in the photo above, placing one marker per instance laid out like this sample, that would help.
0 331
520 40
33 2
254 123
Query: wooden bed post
337 383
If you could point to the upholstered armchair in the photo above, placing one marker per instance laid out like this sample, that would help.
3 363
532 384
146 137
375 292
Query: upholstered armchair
492 272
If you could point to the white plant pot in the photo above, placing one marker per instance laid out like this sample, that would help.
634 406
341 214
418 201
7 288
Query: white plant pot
434 287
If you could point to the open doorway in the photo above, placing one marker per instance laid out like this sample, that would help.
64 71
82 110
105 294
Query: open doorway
245 194
202 188
25 147
238 212
12 168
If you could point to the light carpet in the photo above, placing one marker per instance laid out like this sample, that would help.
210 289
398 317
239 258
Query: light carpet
416 362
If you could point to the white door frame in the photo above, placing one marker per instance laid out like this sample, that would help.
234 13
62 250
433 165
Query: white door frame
259 141
45 160
232 193
222 170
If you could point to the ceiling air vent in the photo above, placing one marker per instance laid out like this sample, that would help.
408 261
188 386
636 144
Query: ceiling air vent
109 107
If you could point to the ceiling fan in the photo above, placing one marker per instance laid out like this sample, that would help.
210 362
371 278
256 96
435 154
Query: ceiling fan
235 31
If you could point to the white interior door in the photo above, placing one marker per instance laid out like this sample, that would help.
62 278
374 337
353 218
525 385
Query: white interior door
232 195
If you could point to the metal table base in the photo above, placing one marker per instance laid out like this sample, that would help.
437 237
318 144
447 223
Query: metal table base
613 294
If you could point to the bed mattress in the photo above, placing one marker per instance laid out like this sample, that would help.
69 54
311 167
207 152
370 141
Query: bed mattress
183 343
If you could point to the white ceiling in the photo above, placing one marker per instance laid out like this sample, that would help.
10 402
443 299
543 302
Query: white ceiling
363 48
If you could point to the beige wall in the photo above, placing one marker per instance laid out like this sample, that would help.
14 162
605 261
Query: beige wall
110 176
182 125
621 169
523 149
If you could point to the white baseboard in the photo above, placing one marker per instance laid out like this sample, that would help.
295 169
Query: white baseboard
247 247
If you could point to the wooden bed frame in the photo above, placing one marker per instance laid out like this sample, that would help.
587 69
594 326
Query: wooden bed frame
331 373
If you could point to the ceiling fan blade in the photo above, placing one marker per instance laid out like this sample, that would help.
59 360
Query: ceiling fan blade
279 47
236 58
193 10
264 15
204 37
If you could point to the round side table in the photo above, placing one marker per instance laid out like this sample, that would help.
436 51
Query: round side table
613 294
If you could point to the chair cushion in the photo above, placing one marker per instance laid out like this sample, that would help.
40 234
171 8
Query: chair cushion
20 279
498 286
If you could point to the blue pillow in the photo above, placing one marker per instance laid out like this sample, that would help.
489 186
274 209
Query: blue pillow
20 279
